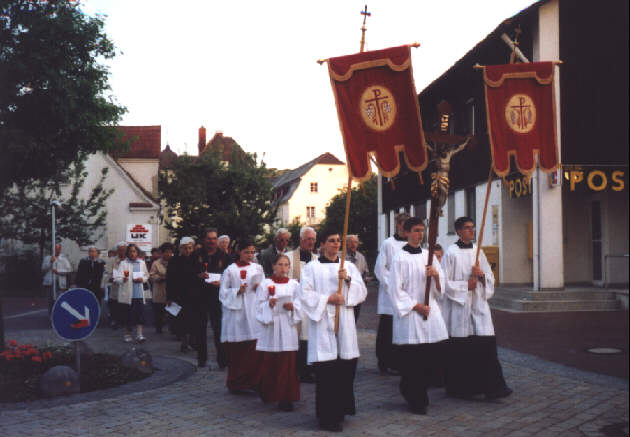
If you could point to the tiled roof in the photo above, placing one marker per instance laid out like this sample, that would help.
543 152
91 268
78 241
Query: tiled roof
291 175
145 141
167 157
225 144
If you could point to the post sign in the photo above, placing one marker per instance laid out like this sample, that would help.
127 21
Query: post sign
518 185
140 235
594 179
75 314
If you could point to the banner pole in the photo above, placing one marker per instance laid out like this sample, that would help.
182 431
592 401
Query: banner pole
343 249
483 219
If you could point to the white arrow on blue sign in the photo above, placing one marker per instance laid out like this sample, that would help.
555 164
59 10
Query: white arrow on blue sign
75 314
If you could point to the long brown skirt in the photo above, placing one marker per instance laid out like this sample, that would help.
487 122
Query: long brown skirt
278 377
243 365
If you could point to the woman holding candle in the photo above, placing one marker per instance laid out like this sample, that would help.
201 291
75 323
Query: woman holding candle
239 327
279 313
131 275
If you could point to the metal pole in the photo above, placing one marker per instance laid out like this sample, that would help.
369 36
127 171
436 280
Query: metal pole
77 356
54 277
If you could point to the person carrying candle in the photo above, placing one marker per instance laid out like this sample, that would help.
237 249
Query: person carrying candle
239 327
131 275
278 311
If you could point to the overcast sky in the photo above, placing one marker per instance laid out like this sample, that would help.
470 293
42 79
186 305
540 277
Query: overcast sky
248 68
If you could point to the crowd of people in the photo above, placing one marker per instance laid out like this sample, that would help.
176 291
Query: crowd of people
281 317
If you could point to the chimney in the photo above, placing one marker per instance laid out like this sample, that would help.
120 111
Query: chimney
202 139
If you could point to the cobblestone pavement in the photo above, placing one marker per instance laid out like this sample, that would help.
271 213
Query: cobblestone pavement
548 399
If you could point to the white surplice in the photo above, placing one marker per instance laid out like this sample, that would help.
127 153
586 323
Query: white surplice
389 248
466 313
406 286
279 326
239 310
320 280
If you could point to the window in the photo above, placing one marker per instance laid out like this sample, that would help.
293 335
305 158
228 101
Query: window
313 187
470 117
450 207
471 203
421 211
310 212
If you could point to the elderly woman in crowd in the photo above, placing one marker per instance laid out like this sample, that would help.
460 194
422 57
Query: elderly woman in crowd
158 280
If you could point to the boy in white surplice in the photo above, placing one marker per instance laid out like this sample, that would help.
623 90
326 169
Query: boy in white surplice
419 342
472 365
334 357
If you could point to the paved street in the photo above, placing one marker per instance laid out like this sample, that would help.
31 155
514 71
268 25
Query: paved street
548 399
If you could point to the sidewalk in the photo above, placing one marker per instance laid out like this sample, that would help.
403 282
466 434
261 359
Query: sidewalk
548 399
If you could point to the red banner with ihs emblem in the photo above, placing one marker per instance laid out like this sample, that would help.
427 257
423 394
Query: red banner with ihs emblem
378 110
521 115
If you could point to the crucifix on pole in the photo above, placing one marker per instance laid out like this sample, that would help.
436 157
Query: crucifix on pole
442 146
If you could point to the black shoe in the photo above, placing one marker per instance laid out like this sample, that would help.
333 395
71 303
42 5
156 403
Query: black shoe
418 409
503 393
184 348
332 427
285 406
201 364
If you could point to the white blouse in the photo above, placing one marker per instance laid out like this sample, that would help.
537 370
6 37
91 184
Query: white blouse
239 310
279 326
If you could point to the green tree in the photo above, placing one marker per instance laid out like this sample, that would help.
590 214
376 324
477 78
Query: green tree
202 192
362 220
53 102
26 211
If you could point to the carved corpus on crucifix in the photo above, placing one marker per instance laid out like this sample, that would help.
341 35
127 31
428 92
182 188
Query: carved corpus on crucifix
442 147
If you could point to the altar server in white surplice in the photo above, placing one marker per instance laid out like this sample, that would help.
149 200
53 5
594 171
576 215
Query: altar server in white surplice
472 364
389 248
279 313
239 326
419 342
334 357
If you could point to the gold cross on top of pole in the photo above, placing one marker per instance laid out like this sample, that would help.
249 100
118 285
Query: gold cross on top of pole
365 14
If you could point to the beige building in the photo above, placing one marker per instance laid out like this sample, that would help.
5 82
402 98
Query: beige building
304 192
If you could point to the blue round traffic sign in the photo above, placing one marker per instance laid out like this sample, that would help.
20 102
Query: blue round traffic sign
75 314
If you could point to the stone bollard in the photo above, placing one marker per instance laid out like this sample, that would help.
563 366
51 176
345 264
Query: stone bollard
59 380
138 359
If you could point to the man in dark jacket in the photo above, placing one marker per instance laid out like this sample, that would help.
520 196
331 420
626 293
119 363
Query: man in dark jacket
267 256
90 273
210 260
181 282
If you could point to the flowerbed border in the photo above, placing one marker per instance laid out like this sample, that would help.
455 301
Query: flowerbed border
171 370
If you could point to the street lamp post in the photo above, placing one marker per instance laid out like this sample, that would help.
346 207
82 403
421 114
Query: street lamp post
54 203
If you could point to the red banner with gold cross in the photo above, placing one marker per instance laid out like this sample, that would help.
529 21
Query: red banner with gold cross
521 112
378 110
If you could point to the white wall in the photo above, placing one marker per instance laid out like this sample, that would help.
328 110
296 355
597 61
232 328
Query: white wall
515 215
330 178
118 212
144 171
